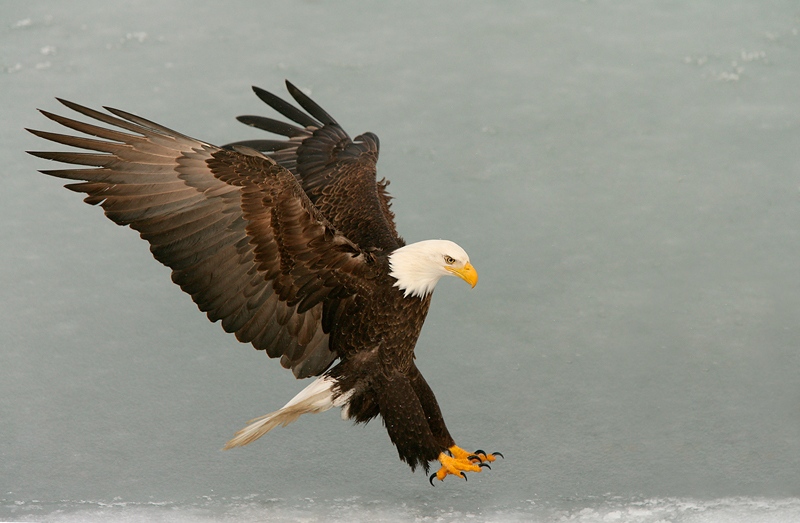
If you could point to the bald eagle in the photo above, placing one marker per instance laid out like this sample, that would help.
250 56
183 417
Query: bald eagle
292 245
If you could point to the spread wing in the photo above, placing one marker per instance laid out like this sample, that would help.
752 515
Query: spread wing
337 173
238 232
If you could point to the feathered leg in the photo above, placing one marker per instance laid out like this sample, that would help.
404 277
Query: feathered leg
458 460
405 420
431 407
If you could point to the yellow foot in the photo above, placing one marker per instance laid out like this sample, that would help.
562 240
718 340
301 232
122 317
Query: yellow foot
477 456
456 461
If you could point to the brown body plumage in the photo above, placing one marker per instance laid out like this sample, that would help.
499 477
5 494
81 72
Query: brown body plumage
289 244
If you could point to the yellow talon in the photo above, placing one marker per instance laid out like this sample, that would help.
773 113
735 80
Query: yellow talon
455 465
478 455
459 461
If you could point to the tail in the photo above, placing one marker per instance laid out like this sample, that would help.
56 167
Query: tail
317 397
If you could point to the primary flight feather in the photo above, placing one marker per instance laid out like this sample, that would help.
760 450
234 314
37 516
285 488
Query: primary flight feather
291 245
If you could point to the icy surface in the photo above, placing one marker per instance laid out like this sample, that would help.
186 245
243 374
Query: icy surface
624 176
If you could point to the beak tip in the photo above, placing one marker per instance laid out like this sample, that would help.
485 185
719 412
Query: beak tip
467 273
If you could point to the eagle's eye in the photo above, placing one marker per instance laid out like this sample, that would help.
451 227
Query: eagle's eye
449 260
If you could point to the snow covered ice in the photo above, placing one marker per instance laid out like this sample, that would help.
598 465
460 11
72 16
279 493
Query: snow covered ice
624 176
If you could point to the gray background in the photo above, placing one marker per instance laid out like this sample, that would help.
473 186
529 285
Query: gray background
624 175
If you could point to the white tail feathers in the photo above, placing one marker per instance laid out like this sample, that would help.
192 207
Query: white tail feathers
317 397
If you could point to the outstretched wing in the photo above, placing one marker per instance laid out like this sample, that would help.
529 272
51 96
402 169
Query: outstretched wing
337 173
238 232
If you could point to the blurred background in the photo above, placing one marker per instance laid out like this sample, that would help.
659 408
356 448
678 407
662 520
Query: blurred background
624 175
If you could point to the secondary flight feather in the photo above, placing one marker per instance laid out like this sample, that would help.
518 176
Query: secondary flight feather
291 245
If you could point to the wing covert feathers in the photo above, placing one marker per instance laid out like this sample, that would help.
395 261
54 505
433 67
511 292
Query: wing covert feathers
336 172
237 230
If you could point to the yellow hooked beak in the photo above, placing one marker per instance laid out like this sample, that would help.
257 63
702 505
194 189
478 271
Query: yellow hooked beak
466 273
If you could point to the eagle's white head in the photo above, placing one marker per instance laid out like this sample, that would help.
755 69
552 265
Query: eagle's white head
417 267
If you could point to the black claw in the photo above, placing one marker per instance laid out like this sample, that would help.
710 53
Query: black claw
474 456
498 454
482 464
479 451
431 479
463 475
